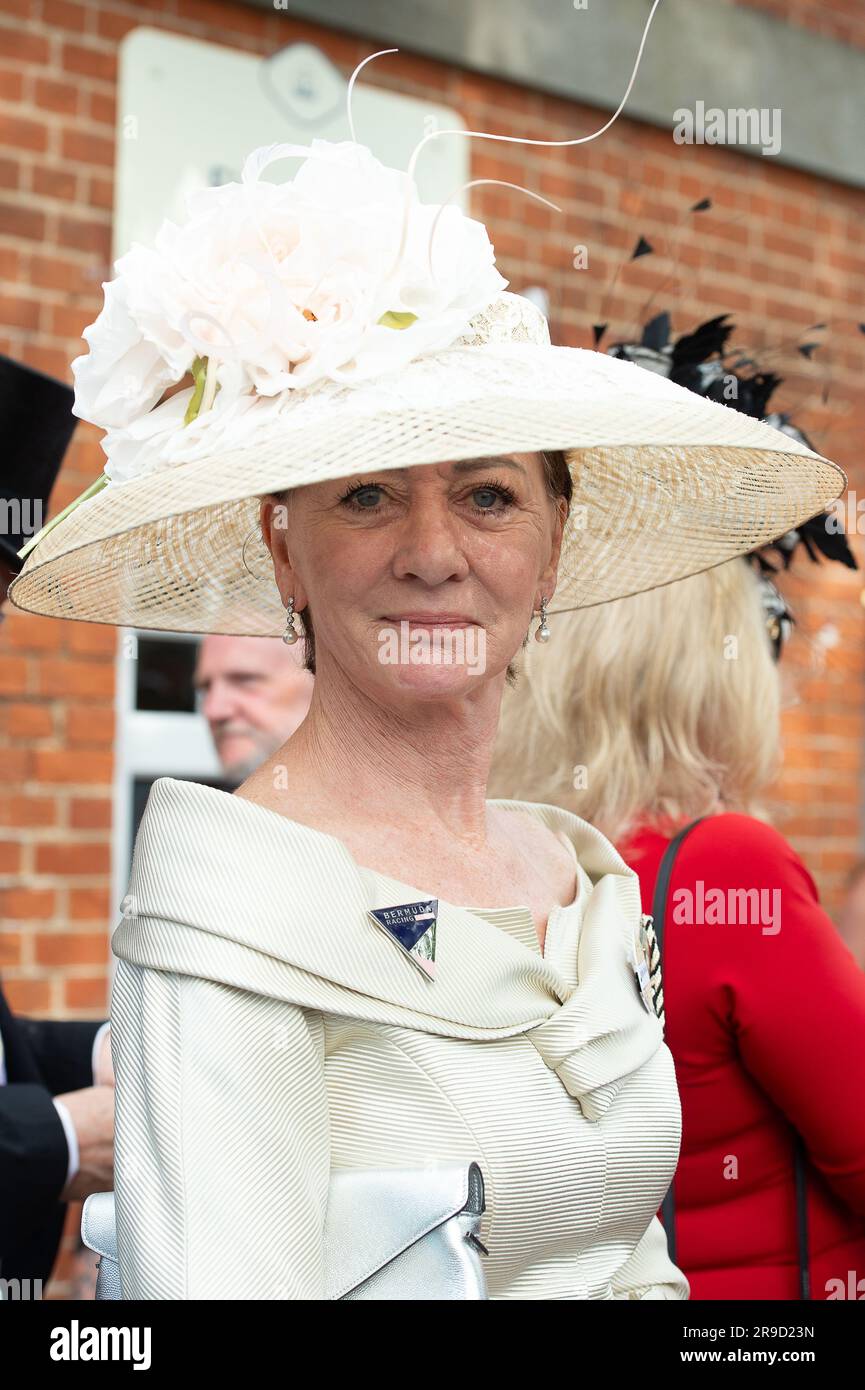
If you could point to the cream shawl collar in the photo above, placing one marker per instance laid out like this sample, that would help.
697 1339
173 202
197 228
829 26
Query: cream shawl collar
227 890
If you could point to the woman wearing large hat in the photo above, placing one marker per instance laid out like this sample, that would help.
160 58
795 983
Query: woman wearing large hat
379 439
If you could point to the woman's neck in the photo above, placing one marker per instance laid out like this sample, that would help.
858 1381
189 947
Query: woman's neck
421 763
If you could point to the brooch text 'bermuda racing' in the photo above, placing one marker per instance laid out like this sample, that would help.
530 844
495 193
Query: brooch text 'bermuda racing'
413 927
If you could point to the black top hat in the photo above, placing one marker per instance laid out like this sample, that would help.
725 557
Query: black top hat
36 424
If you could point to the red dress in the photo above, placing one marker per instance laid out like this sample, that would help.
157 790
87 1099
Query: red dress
765 1018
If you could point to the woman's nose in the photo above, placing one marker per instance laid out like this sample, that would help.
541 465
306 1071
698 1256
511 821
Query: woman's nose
430 542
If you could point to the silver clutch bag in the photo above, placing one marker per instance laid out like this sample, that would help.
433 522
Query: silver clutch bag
390 1233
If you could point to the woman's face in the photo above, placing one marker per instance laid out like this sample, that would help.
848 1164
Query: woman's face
420 580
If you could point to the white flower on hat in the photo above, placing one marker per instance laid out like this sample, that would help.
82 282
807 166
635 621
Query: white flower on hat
271 288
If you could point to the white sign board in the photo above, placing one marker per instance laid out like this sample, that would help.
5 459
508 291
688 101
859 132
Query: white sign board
190 112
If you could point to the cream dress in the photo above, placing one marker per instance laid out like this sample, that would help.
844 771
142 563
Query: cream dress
265 1030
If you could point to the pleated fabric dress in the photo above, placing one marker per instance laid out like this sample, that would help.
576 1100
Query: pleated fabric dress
266 1031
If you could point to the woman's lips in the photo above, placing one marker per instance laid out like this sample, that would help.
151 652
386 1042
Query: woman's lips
432 619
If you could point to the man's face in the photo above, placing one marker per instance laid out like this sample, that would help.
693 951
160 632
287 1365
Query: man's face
253 692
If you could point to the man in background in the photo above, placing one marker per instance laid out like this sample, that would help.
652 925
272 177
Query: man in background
253 692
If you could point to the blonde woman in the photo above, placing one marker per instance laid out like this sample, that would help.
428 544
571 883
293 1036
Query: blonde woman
656 710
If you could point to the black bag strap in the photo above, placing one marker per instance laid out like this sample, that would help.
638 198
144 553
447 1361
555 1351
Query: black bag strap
662 882
800 1159
668 1211
659 908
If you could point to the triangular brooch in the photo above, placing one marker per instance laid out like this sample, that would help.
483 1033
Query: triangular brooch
413 927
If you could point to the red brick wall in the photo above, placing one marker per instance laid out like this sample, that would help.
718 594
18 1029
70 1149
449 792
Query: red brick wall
843 20
781 249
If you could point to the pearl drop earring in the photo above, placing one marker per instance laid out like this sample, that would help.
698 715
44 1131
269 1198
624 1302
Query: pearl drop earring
290 635
542 631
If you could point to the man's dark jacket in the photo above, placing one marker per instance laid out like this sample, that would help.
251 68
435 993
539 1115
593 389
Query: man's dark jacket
43 1059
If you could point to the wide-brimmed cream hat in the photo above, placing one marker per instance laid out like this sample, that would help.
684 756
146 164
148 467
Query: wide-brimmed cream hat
336 325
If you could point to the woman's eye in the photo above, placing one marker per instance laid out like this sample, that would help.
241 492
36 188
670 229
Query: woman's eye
365 497
370 497
485 498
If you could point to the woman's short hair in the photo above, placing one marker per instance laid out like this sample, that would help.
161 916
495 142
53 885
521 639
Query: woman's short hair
653 707
557 476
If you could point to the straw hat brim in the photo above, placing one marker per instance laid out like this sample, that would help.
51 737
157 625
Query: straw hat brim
665 484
